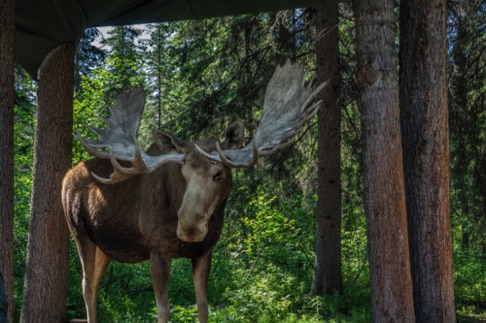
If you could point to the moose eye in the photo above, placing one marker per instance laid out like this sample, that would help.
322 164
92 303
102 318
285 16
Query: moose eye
218 176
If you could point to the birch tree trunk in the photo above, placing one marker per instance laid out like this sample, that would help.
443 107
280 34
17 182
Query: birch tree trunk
45 286
386 217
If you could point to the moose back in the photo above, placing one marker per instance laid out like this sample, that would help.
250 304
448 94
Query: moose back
131 205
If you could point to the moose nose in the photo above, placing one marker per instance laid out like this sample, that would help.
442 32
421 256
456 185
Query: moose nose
192 233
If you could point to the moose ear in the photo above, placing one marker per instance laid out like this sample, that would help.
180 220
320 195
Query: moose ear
168 143
234 136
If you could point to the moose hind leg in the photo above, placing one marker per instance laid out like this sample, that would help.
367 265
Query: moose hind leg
200 273
160 270
94 263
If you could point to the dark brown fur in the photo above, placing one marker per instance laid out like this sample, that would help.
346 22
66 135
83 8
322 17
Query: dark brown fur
137 218
153 199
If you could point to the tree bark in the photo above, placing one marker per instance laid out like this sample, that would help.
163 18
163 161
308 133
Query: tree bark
327 272
7 40
45 287
423 72
391 285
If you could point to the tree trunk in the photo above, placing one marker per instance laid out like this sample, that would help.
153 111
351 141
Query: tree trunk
391 285
45 287
327 271
423 72
7 40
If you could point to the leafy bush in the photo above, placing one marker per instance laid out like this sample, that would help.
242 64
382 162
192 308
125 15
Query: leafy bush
470 286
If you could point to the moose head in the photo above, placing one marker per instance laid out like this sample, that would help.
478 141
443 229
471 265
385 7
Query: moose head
288 105
130 205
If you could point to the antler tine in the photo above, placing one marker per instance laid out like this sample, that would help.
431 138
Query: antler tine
274 149
252 158
238 163
227 156
121 173
94 130
120 137
91 146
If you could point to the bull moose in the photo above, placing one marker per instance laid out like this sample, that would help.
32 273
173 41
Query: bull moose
131 205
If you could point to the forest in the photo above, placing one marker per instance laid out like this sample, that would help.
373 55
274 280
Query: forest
201 75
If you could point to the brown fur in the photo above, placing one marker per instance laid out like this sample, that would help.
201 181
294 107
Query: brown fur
138 219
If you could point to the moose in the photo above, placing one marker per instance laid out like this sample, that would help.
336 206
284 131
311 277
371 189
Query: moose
130 205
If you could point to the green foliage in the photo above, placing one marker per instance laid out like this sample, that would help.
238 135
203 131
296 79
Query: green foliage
470 285
88 56
24 129
468 123
124 60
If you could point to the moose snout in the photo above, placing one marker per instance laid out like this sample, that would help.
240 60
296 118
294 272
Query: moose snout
192 232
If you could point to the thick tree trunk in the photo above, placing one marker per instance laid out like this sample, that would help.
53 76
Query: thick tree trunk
7 40
327 271
391 285
45 288
423 72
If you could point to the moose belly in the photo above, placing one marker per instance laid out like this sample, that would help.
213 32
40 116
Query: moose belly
132 250
123 247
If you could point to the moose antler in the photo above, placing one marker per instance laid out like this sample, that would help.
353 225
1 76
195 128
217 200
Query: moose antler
120 137
288 104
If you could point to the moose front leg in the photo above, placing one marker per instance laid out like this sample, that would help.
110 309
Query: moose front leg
160 270
200 273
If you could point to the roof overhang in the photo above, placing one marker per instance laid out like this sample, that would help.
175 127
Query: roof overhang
42 25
